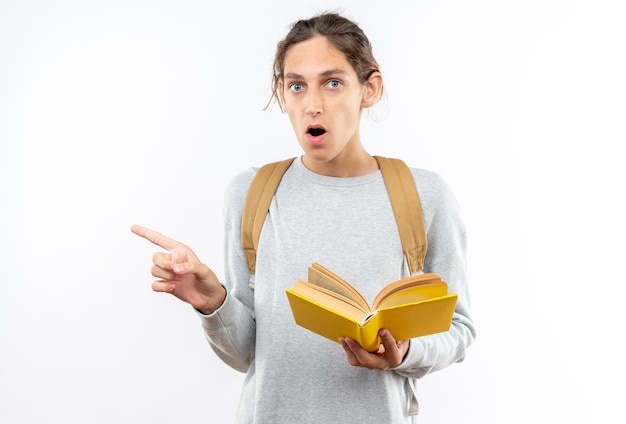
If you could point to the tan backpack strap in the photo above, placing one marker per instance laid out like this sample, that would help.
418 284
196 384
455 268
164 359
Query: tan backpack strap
407 210
258 199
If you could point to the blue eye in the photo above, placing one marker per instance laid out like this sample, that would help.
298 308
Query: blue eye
296 87
334 84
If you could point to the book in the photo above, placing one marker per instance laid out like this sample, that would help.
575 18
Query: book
410 307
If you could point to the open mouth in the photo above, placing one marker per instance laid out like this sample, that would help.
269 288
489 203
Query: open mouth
316 131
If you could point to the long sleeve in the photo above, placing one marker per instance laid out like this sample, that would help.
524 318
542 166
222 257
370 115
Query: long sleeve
231 330
445 257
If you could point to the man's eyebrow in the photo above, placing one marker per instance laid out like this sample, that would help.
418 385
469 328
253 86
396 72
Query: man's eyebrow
332 72
325 74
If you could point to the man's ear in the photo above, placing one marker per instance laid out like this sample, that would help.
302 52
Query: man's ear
372 90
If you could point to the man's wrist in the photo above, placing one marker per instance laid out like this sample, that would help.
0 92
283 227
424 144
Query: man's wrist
214 303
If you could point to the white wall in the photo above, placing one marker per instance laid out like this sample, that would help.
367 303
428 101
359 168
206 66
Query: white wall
120 112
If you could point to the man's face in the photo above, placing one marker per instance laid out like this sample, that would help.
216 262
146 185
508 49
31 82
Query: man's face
323 97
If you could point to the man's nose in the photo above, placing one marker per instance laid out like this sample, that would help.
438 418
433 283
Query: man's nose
314 102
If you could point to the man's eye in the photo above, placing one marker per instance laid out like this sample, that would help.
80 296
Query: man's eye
296 87
334 84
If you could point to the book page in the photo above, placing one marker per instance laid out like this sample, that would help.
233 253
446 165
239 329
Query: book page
323 277
410 289
329 299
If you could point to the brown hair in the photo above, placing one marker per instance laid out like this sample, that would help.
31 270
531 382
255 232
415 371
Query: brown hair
345 35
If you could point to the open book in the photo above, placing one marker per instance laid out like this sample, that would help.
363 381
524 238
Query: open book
411 307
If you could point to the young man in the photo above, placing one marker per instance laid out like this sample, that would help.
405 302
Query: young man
331 207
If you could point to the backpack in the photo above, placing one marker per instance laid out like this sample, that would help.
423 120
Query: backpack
400 185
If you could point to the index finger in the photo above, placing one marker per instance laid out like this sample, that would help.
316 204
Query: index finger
154 237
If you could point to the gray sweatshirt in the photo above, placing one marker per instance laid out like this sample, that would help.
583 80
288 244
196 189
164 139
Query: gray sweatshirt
347 225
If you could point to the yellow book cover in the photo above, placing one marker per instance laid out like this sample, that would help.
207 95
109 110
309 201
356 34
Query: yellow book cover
331 307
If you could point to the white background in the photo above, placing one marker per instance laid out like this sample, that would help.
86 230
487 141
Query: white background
121 112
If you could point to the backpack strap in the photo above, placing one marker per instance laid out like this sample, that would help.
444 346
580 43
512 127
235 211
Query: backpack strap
407 209
400 185
257 205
